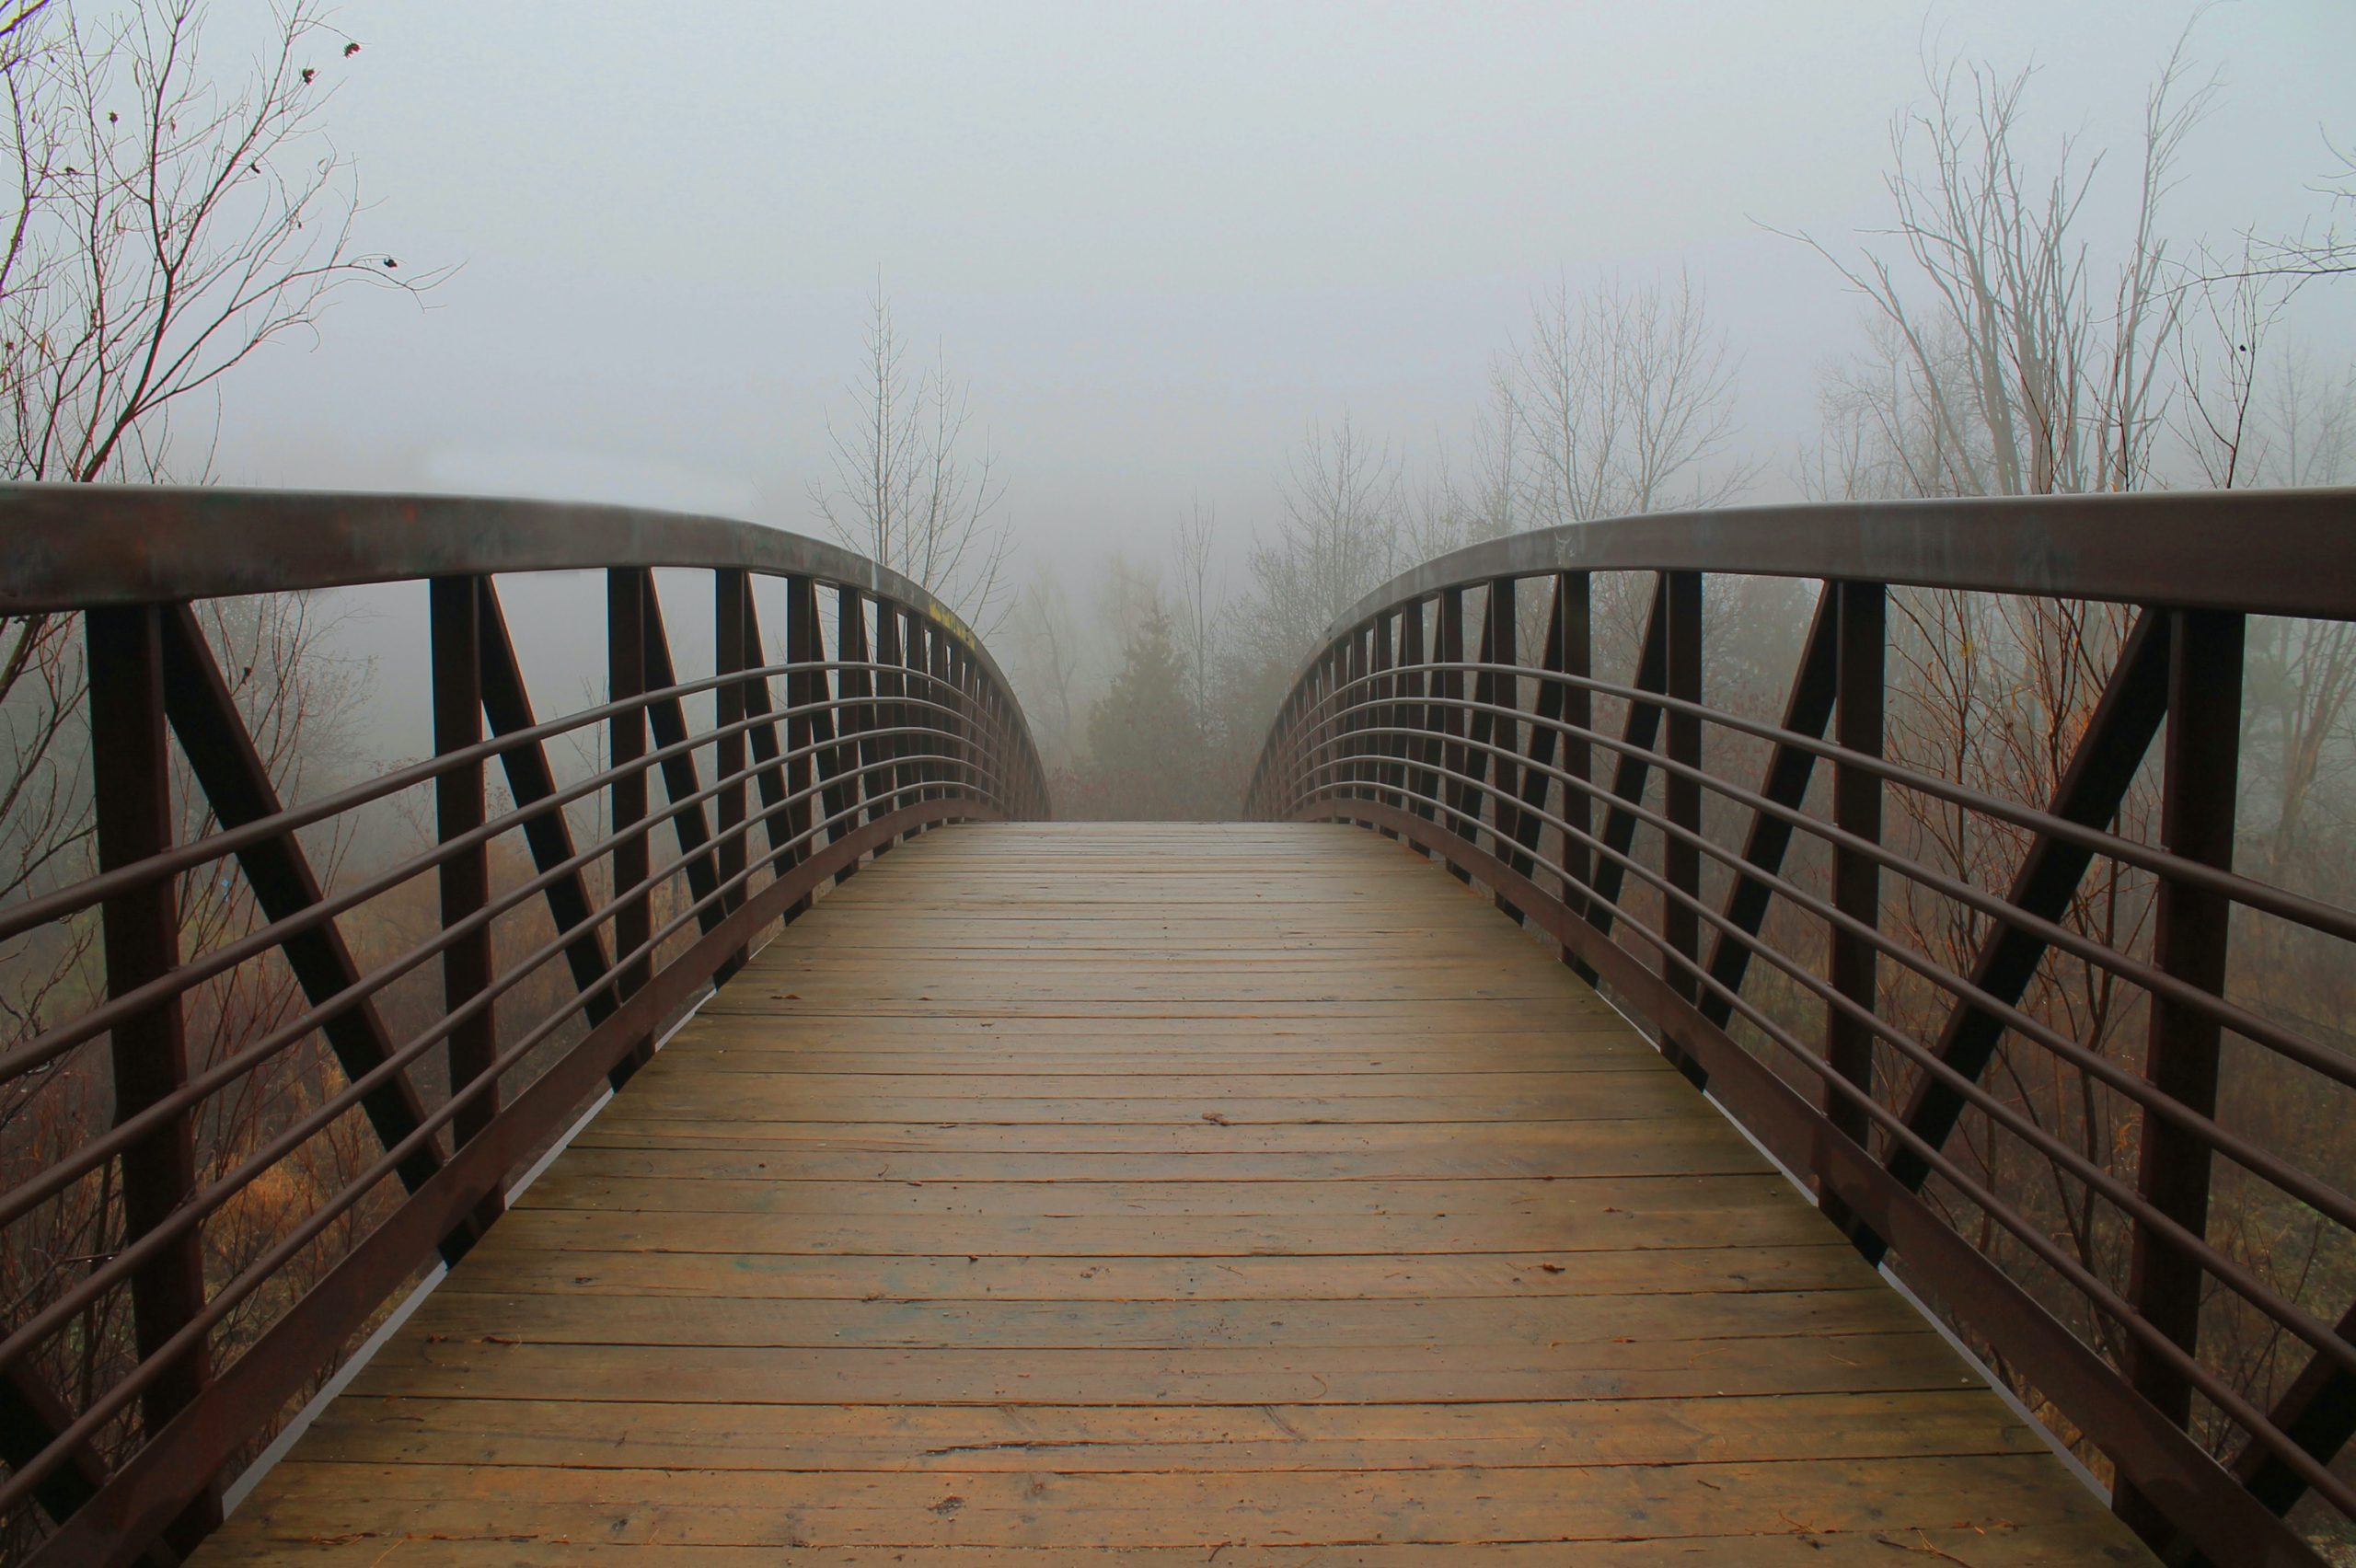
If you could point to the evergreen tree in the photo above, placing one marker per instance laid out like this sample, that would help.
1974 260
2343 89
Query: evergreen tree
1144 737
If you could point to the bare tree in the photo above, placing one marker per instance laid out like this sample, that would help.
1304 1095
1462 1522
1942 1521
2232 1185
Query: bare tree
1046 646
2019 344
167 225
2324 251
170 222
904 494
1198 609
1339 536
1999 368
1621 402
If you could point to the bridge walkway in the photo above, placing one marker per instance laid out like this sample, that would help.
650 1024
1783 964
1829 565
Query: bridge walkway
1164 1194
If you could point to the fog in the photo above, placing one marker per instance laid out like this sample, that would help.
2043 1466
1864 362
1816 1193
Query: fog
1156 243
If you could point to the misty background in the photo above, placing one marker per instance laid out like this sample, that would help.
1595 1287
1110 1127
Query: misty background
1155 245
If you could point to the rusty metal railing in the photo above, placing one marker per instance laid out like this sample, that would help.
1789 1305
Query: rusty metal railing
132 1373
1944 1119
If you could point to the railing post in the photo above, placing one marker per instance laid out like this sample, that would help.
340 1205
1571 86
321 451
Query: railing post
1384 711
1416 714
1575 596
626 592
731 593
1545 738
968 722
1504 639
936 668
1358 693
454 612
1471 799
133 812
2190 932
891 684
858 687
1862 637
1450 680
1682 855
801 694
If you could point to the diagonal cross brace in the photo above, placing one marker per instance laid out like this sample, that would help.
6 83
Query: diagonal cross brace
508 707
667 719
31 1415
236 783
763 735
1536 775
1806 711
1639 733
2317 1411
2109 755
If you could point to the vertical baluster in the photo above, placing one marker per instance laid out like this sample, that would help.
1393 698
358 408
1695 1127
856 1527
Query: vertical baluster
2190 932
454 609
1862 640
1681 854
626 592
141 926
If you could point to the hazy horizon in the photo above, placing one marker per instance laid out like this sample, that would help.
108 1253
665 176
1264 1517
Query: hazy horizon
1157 243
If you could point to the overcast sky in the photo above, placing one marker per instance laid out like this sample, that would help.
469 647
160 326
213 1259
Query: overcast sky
1157 241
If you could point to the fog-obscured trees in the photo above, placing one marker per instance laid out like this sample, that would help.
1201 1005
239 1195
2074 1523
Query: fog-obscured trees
1145 736
169 223
907 489
1623 399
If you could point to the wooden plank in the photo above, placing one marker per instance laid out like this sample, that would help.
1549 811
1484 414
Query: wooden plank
1203 1510
488 1367
1113 1439
1147 1194
1344 1277
1996 1545
1540 1200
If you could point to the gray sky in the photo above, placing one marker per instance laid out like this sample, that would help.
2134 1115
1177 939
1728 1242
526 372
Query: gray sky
1157 241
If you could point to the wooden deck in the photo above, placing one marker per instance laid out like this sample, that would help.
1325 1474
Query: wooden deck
1164 1194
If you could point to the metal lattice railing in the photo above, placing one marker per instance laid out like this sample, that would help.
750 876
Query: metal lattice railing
135 1371
2048 1085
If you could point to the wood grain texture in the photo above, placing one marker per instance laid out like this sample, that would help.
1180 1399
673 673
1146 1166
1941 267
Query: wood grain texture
1160 1194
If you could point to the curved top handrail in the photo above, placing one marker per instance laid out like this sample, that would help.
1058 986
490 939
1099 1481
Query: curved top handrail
2281 552
71 546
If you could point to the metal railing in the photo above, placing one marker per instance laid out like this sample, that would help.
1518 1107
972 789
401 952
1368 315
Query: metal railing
884 718
2052 1184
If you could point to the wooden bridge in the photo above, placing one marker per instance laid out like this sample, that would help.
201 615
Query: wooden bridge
1153 1191
1561 1172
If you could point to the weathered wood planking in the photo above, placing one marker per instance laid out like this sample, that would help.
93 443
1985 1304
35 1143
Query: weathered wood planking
1164 1194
